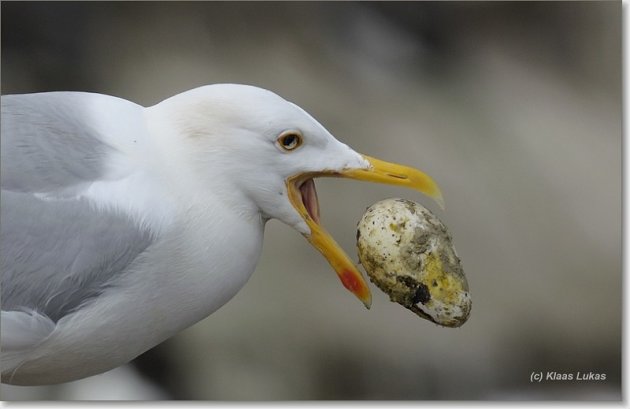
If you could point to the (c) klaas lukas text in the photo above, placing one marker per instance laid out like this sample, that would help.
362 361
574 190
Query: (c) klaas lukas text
566 376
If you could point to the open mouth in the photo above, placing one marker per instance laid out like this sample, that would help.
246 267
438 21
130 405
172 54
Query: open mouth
309 199
303 197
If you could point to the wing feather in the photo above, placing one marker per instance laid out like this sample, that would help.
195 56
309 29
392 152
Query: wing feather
48 143
58 248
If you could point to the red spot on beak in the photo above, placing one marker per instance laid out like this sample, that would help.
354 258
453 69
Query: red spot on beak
354 282
350 281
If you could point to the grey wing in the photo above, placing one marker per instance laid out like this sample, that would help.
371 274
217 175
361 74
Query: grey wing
48 143
57 250
58 255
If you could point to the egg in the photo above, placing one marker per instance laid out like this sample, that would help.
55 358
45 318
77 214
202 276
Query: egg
408 253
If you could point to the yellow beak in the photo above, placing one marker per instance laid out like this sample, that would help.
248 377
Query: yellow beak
380 172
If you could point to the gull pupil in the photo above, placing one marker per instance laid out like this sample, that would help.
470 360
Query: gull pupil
289 141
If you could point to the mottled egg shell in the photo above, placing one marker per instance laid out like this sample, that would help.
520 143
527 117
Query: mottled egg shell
408 253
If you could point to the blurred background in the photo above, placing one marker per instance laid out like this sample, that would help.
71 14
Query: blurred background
514 108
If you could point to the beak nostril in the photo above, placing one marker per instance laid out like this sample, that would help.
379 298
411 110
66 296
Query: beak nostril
398 176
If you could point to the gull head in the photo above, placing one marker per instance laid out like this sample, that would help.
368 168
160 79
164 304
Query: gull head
270 151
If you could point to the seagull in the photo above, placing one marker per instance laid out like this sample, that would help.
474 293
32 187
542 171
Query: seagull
123 225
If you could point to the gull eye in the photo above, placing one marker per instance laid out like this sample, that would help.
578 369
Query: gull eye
289 140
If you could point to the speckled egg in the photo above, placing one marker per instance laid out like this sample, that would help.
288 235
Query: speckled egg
408 253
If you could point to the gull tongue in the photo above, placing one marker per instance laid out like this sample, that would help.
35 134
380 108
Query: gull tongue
309 198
